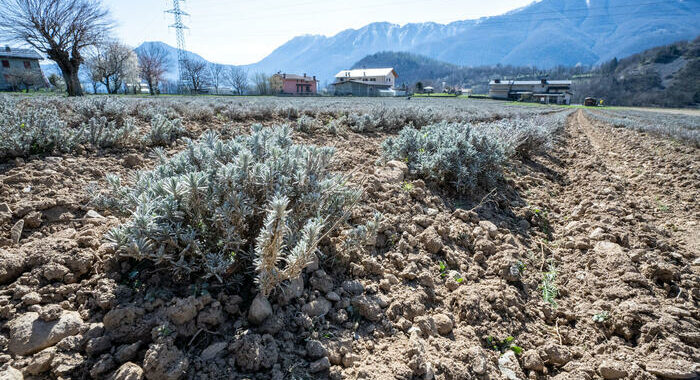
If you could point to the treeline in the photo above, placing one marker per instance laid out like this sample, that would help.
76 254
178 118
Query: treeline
666 76
414 68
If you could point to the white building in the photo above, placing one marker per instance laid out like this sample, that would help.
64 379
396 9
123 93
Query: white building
385 76
364 82
541 91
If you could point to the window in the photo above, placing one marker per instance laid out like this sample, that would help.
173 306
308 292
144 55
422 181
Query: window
5 63
27 65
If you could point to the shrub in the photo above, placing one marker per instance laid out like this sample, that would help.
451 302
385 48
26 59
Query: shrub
448 154
26 131
104 134
163 131
224 208
525 137
112 108
305 124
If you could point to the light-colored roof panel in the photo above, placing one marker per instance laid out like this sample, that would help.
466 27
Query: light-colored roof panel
19 53
366 83
532 82
356 73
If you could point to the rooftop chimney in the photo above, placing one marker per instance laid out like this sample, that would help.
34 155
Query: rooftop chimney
7 48
496 81
304 75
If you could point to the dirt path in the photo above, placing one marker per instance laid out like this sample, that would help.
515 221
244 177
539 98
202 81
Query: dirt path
625 242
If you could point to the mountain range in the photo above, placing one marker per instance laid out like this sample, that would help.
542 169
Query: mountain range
545 33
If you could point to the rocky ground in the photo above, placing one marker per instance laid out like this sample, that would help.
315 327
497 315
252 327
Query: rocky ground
609 215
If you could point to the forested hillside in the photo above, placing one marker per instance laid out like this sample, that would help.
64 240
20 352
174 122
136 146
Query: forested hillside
413 68
666 76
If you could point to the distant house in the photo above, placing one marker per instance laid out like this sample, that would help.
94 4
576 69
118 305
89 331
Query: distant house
364 82
428 90
19 69
541 91
297 85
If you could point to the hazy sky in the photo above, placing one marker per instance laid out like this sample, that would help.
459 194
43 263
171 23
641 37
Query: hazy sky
242 32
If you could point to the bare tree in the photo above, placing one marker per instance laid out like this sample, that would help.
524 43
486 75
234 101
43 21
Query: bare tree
153 64
91 74
195 74
57 82
216 75
275 84
237 78
261 81
115 64
23 78
61 29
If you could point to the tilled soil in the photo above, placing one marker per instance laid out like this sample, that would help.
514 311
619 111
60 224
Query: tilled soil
611 213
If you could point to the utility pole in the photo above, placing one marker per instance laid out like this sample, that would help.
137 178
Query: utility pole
180 35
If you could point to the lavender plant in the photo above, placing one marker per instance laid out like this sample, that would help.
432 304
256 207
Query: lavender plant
101 133
163 131
450 154
222 208
30 130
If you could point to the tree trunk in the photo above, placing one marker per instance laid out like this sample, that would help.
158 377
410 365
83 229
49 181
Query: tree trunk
150 86
70 76
69 70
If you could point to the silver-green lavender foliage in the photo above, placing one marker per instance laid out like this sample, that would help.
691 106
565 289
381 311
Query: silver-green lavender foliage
524 137
163 131
101 133
219 206
685 128
270 249
449 154
30 130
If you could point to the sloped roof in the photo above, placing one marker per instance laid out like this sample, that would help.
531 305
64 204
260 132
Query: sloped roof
532 82
296 76
376 84
19 53
357 73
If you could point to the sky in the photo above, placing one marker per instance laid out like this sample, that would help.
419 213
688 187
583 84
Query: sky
244 32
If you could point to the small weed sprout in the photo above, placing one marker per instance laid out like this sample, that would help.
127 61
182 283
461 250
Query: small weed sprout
542 220
601 317
356 239
548 286
407 187
503 345
443 269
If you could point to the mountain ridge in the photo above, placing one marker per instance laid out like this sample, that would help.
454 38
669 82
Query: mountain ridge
543 34
587 32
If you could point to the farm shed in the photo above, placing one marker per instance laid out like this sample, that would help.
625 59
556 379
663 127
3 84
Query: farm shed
19 69
541 91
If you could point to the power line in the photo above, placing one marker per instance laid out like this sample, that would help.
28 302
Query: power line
179 27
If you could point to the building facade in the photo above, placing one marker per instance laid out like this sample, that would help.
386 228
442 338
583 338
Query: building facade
541 91
296 85
364 82
19 69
